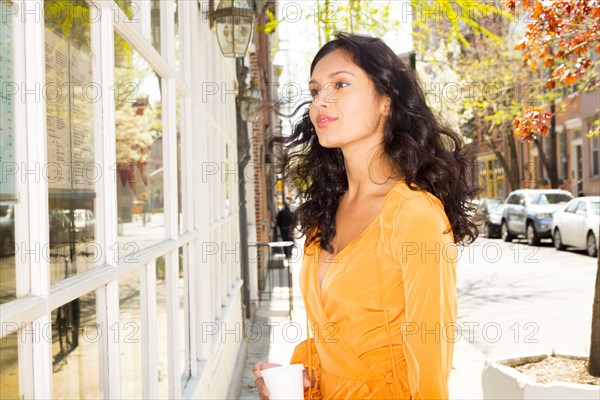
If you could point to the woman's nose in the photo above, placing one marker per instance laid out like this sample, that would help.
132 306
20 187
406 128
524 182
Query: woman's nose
325 96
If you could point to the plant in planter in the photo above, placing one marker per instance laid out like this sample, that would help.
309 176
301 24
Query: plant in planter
539 376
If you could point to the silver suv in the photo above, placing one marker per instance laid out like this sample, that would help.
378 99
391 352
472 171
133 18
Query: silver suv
528 212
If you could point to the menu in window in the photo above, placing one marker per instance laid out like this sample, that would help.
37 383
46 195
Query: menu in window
57 112
82 119
8 166
69 115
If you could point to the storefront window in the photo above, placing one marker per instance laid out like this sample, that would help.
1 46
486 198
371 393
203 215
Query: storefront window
71 171
7 158
75 349
140 195
129 335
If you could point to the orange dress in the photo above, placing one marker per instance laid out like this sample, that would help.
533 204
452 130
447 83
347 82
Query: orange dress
383 319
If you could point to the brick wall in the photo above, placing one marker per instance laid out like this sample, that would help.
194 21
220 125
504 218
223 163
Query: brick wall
257 142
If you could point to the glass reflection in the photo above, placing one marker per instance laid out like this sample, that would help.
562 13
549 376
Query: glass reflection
130 8
8 290
179 171
71 170
75 349
9 367
161 327
129 335
8 286
185 370
176 15
155 23
140 204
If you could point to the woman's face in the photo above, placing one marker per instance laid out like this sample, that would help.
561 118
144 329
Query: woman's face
346 109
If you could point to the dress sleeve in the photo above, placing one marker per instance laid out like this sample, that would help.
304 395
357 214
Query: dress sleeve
301 356
427 257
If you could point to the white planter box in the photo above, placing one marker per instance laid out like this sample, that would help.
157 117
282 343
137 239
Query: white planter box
501 381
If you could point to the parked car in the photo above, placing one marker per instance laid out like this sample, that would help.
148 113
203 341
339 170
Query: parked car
84 223
489 216
528 212
578 225
59 227
7 228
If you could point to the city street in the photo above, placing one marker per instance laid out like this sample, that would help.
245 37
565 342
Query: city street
517 299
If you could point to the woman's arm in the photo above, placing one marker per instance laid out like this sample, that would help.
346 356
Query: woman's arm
301 355
427 257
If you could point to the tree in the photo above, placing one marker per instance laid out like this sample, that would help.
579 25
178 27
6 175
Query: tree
561 37
494 94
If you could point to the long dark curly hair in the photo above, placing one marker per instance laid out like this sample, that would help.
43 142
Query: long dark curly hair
425 152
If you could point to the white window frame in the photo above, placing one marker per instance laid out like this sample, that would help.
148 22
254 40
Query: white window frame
36 298
594 146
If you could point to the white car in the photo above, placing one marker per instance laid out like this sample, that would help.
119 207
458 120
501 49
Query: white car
578 225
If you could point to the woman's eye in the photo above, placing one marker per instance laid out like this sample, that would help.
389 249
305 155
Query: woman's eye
337 85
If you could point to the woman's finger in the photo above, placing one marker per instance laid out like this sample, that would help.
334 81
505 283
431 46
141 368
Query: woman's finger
306 379
263 392
261 365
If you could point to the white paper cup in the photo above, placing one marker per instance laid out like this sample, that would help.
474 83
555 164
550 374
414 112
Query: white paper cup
285 382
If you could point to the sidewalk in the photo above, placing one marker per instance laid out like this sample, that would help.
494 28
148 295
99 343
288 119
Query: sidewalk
274 337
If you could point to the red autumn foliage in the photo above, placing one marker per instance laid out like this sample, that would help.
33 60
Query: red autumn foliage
559 37
533 123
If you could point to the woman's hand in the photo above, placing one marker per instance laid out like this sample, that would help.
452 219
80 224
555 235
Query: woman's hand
263 392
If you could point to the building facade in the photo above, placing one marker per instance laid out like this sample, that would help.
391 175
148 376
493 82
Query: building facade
119 264
577 154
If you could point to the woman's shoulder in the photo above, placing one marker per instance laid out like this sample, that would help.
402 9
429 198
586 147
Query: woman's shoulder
415 205
401 194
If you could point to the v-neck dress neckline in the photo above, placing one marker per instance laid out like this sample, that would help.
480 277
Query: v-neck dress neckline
354 241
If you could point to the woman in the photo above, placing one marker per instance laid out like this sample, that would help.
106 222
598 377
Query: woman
386 188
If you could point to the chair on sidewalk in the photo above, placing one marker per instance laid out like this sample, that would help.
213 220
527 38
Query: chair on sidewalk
277 262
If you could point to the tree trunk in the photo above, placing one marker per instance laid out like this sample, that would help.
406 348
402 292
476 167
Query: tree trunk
549 160
513 178
553 172
506 166
594 361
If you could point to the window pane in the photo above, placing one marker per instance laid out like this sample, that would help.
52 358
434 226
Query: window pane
130 336
161 327
228 182
9 367
155 24
7 158
594 142
179 169
130 8
139 151
75 350
8 289
71 172
182 327
176 8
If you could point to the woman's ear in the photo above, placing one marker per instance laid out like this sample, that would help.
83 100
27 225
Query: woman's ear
387 106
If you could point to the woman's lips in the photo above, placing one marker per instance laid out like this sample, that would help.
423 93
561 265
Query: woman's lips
323 122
